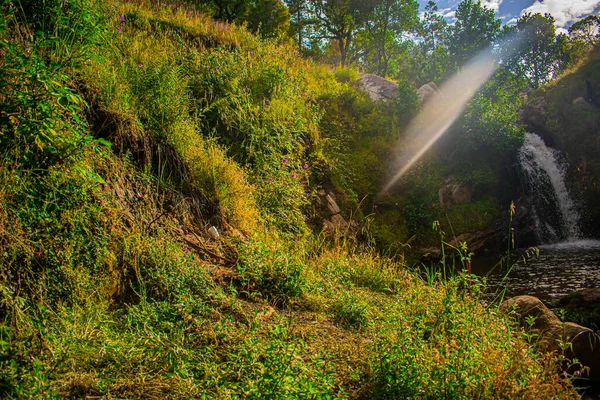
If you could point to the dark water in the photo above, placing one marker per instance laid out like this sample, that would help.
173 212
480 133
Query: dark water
558 270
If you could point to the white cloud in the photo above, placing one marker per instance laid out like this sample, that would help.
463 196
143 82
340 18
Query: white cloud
564 11
493 4
450 15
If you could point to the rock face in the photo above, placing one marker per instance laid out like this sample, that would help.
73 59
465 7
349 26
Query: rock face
335 225
454 193
378 88
427 92
582 343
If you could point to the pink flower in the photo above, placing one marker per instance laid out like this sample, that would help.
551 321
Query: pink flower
294 176
270 179
122 17
140 65
284 161
120 30
305 167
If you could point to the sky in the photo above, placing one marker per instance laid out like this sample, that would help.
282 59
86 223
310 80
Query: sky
565 12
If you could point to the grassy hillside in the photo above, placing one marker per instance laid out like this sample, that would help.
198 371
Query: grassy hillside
127 130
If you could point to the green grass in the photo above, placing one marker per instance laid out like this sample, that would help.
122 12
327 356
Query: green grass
111 285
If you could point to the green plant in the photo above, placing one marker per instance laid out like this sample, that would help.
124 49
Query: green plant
349 312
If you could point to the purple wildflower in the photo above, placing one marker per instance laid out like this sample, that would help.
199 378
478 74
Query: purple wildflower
284 160
305 167
294 176
120 30
140 65
122 17
270 179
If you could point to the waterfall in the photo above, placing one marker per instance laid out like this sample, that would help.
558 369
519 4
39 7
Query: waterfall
553 211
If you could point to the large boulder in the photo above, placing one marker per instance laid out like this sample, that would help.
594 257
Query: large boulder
427 92
378 88
566 338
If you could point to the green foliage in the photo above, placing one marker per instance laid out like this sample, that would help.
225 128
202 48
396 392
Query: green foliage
269 18
40 114
587 30
475 29
349 312
491 122
275 270
534 52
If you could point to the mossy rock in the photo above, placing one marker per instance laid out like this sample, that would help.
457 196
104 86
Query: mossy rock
581 307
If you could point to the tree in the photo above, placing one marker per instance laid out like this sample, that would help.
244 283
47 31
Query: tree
475 29
227 10
382 37
270 18
340 21
433 49
433 28
587 30
534 52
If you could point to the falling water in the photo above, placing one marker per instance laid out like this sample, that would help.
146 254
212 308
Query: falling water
554 213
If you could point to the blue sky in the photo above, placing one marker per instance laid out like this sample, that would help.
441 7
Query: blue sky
564 11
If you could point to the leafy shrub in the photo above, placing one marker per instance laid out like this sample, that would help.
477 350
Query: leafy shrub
40 115
274 269
349 312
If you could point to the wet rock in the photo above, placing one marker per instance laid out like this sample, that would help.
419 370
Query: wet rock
427 92
523 224
566 338
378 88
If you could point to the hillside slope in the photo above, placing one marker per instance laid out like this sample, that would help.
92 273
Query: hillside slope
126 131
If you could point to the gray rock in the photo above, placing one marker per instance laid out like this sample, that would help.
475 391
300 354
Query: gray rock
336 226
427 92
579 100
378 88
332 206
